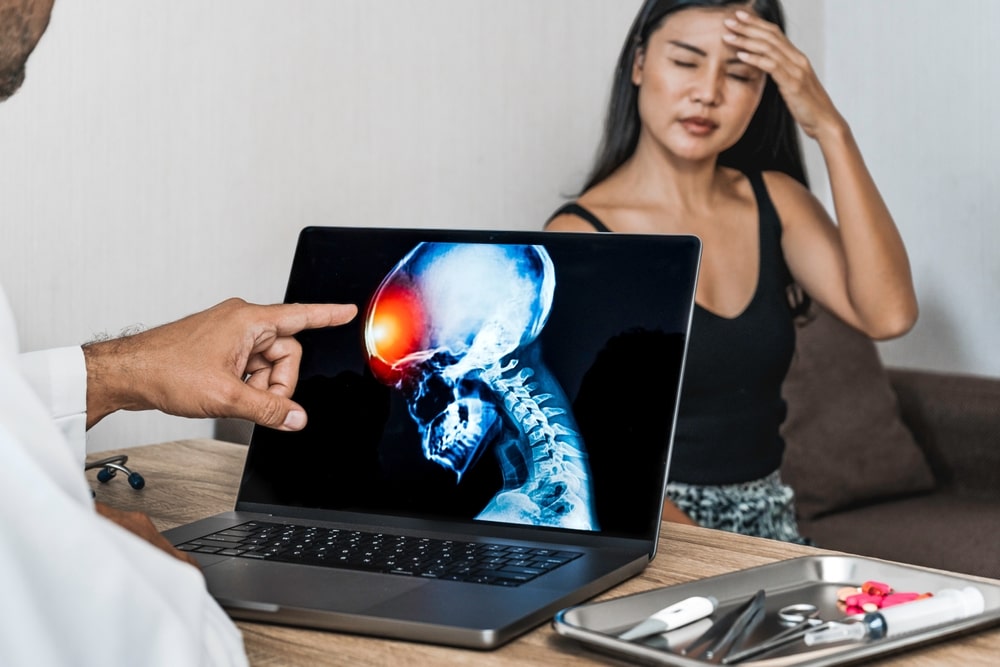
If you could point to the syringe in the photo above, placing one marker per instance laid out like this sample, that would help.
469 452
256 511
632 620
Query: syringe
943 607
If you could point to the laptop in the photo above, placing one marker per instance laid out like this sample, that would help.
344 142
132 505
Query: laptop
488 441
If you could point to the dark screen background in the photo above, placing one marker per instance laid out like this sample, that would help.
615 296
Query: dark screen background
614 340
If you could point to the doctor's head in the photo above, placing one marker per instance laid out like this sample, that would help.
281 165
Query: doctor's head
22 23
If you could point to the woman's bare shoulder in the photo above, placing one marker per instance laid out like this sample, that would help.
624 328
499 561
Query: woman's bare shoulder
793 201
592 203
782 186
569 222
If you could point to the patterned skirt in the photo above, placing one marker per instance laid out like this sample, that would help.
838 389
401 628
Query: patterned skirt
762 508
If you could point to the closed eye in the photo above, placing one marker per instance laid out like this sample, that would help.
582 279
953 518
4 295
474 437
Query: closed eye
684 63
742 75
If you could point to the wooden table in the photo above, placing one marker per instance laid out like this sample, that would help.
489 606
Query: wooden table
191 479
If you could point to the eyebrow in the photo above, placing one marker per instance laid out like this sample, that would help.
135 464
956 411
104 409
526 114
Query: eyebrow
694 49
688 47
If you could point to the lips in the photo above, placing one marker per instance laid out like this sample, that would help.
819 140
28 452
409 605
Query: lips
699 125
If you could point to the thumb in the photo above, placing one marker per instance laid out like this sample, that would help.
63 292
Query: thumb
271 410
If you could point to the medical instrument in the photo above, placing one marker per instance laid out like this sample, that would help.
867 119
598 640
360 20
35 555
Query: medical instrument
803 617
675 640
729 631
943 607
797 614
110 467
670 618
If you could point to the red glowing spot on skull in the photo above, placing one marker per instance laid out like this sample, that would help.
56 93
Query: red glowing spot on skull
397 326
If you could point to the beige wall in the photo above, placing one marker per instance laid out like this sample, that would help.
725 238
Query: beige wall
164 154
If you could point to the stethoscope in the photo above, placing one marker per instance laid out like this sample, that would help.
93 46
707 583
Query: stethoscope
111 466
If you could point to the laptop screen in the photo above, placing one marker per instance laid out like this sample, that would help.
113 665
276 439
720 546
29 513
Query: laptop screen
524 378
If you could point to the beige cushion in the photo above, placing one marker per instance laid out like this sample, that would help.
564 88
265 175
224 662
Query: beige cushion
845 442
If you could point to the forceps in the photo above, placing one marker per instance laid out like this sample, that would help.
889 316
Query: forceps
727 633
801 618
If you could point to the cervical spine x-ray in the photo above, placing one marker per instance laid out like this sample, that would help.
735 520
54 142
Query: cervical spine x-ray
454 328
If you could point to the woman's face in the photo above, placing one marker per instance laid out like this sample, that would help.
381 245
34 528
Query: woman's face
696 98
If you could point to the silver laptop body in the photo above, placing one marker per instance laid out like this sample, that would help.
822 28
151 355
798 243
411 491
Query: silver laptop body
493 433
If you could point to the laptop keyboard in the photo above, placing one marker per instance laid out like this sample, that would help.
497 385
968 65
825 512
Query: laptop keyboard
477 562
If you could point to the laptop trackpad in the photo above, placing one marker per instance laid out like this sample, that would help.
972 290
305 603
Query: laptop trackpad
265 584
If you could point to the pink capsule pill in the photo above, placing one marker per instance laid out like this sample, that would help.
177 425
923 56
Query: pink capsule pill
876 588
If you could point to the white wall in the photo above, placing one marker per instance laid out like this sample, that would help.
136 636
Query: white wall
919 81
164 154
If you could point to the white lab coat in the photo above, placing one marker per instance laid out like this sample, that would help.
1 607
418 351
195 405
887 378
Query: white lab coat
76 589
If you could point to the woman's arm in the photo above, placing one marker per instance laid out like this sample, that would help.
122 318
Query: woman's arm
857 268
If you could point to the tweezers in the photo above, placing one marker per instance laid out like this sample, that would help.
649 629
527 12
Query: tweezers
730 630
789 636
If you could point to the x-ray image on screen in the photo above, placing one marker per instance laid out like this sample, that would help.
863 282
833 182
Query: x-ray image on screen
454 329
524 382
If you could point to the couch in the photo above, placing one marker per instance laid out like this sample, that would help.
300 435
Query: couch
893 463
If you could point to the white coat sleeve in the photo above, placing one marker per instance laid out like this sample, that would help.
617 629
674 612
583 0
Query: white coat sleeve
77 588
59 379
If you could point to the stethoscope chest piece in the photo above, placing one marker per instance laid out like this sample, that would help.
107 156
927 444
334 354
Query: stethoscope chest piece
111 466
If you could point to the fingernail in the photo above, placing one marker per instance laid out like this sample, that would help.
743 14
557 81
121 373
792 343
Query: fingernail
729 37
731 23
295 420
742 15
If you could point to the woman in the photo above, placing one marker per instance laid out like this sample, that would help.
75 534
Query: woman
701 139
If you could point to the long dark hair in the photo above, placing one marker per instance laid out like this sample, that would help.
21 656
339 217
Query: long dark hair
771 141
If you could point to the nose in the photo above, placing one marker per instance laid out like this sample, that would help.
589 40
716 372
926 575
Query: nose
706 89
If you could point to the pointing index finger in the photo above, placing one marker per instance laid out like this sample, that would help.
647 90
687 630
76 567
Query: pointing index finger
291 318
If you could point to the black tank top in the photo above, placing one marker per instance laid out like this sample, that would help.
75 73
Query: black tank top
731 406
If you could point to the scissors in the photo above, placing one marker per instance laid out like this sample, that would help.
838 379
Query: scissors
797 616
798 619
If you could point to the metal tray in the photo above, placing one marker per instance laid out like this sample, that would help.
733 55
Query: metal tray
809 579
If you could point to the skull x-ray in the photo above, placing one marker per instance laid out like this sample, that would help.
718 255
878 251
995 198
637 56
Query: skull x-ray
454 328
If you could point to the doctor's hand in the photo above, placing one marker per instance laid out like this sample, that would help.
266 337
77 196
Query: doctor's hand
236 360
141 525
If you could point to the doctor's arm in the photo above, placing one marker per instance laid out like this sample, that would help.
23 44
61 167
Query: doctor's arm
236 360
78 590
